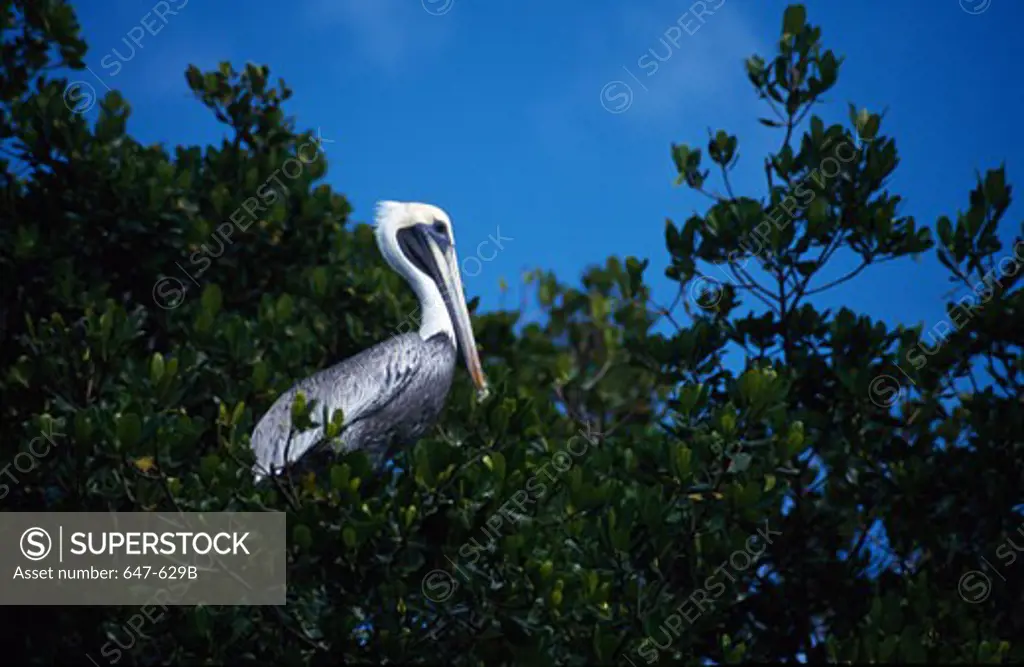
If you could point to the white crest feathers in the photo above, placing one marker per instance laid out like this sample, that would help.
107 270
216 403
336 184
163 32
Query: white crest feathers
387 210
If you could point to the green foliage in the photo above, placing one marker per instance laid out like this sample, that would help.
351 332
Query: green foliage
621 488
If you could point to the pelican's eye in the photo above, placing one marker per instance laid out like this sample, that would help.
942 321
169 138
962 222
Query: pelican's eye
440 228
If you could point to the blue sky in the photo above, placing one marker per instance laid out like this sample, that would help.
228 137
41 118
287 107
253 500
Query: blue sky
492 110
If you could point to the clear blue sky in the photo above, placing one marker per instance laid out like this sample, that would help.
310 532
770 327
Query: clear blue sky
492 110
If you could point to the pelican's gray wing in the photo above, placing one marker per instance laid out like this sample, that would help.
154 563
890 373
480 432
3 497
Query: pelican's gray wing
359 386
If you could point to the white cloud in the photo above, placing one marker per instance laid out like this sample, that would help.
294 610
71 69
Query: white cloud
387 33
699 81
683 61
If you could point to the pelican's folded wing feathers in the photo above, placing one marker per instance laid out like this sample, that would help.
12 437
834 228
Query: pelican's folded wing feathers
359 386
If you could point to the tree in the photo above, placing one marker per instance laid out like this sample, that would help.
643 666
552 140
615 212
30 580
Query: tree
622 494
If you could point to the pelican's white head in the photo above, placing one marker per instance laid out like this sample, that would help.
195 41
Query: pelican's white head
418 242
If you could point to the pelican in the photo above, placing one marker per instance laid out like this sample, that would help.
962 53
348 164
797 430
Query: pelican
391 393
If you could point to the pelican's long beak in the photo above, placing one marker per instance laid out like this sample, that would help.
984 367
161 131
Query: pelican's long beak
455 301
